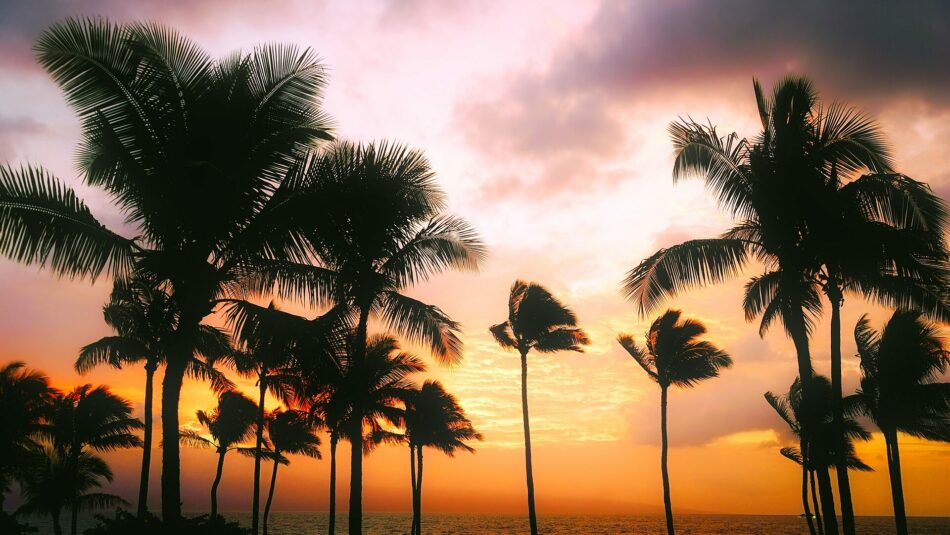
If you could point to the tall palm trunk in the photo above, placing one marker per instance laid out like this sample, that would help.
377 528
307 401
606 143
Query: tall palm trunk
841 459
814 501
418 511
171 460
332 513
826 493
270 492
412 481
805 506
532 515
147 439
57 526
664 444
259 444
217 481
356 430
897 485
73 518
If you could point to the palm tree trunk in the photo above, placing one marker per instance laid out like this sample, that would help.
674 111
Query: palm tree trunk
259 443
57 527
270 492
356 431
827 502
795 324
841 458
214 485
532 515
418 511
332 513
412 476
146 440
664 445
805 507
814 501
897 485
73 518
171 460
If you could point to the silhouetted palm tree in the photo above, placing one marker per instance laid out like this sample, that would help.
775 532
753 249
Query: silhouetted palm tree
24 398
144 319
433 419
899 390
198 153
674 355
379 228
290 432
53 480
536 320
230 424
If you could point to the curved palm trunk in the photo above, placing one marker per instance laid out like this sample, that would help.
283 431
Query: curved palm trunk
57 527
332 513
897 485
146 440
841 458
418 511
214 485
356 432
256 499
529 474
826 493
815 504
667 503
805 506
412 481
73 518
171 460
270 493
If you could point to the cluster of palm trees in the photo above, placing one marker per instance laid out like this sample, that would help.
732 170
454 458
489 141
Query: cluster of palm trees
228 175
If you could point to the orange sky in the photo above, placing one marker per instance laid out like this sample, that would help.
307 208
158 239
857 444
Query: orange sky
546 124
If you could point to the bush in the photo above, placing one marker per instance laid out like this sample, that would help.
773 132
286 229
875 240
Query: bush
9 525
124 523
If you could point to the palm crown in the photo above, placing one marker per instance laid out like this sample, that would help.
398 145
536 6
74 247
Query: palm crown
435 419
537 320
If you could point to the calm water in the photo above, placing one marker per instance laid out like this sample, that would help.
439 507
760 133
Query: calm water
286 523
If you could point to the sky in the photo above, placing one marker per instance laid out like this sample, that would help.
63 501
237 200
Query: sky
546 125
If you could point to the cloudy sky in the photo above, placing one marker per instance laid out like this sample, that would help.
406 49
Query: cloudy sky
546 125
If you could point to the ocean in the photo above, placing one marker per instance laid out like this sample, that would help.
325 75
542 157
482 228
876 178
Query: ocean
315 523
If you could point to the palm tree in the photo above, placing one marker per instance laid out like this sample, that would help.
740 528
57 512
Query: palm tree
536 320
675 355
795 455
53 481
379 229
198 153
144 319
899 390
434 418
93 418
290 432
24 397
230 424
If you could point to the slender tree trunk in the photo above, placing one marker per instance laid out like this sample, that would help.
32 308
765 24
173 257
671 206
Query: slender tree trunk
171 460
259 443
418 511
529 474
214 485
356 429
827 502
332 513
73 518
814 501
841 457
146 440
805 506
270 492
57 527
412 475
897 485
664 445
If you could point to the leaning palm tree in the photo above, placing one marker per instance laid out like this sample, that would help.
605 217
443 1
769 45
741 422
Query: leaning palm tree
229 424
379 228
291 432
536 320
674 355
198 153
435 419
900 391
145 319
24 397
53 480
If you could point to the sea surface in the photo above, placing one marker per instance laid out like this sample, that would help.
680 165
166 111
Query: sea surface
315 523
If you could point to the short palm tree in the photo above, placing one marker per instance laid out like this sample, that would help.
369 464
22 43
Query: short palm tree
144 319
198 153
435 419
538 321
292 433
53 480
24 397
229 424
379 228
900 391
674 355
